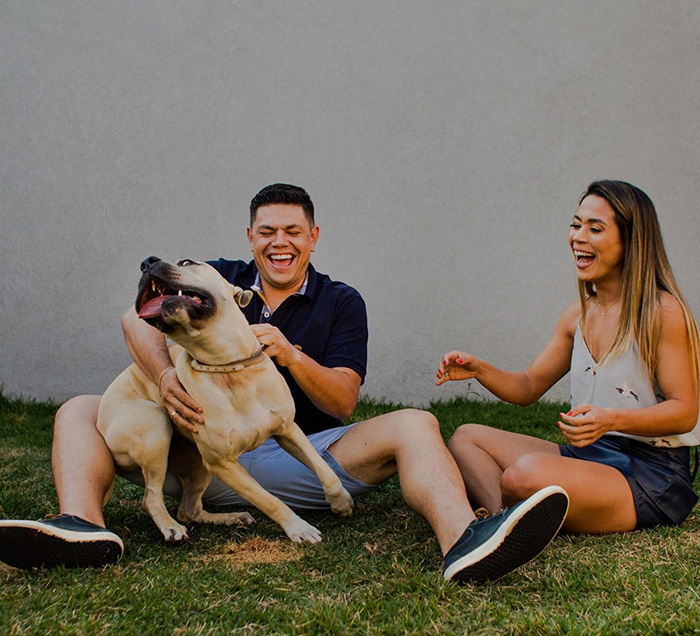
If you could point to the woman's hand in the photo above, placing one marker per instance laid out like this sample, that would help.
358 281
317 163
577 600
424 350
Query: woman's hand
585 424
181 407
456 365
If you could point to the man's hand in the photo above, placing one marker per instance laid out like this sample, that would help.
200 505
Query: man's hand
181 407
456 365
276 345
332 390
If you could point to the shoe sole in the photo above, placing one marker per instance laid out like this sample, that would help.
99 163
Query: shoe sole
31 544
526 534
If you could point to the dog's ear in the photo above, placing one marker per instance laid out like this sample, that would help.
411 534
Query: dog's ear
242 296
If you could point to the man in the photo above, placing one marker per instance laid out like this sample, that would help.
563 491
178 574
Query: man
315 330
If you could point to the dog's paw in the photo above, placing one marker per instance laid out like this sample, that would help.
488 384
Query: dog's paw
244 519
341 502
175 534
299 531
225 518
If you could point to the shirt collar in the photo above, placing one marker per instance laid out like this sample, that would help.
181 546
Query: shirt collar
257 287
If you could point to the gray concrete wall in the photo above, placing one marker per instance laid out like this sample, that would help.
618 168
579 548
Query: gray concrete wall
444 143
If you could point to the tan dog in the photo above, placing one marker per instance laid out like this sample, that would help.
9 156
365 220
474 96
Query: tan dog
244 397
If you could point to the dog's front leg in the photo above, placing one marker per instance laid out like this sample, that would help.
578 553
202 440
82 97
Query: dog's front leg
297 445
151 453
154 478
237 478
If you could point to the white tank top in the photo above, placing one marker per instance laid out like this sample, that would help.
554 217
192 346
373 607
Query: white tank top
621 383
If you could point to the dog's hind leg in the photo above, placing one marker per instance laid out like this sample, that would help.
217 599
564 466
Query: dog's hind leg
237 478
138 434
297 445
186 464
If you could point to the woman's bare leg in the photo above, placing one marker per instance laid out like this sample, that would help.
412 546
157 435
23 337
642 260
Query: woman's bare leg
483 453
600 497
501 468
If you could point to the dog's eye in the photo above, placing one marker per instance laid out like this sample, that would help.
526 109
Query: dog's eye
186 261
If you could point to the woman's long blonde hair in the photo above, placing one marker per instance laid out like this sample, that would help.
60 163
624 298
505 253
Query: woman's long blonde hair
646 273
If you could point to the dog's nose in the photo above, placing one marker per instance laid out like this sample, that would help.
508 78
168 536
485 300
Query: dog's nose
151 260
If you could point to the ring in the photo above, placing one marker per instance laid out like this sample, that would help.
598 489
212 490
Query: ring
173 414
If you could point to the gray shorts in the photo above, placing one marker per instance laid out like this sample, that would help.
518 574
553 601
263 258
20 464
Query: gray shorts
278 473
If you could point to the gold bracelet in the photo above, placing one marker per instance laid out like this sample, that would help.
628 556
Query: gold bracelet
162 373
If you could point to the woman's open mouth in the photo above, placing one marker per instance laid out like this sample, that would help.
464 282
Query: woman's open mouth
583 259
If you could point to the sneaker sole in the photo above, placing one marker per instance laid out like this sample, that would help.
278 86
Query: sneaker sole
528 533
31 544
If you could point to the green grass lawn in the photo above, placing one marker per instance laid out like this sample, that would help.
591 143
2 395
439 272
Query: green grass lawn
377 573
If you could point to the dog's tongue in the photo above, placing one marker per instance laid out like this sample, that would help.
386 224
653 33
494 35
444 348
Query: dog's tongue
152 308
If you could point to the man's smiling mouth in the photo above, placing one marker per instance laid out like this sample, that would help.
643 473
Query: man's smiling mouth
281 260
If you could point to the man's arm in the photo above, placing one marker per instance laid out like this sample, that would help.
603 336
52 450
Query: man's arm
332 390
148 348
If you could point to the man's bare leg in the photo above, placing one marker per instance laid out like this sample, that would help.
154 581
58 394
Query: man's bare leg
409 443
83 471
83 468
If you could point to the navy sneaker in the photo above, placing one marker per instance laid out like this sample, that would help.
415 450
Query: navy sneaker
492 547
63 540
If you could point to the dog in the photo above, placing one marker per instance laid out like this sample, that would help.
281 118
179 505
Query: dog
244 398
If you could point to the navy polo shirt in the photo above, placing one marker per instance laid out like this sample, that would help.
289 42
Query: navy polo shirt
328 322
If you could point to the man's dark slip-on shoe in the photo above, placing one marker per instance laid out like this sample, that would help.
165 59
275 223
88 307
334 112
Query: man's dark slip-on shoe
63 540
492 547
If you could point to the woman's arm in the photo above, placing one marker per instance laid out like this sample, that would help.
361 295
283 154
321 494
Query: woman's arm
677 414
524 387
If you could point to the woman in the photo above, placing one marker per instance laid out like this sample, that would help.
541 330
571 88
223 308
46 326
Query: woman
631 345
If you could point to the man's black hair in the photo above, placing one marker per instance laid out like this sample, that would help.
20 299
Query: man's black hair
282 194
